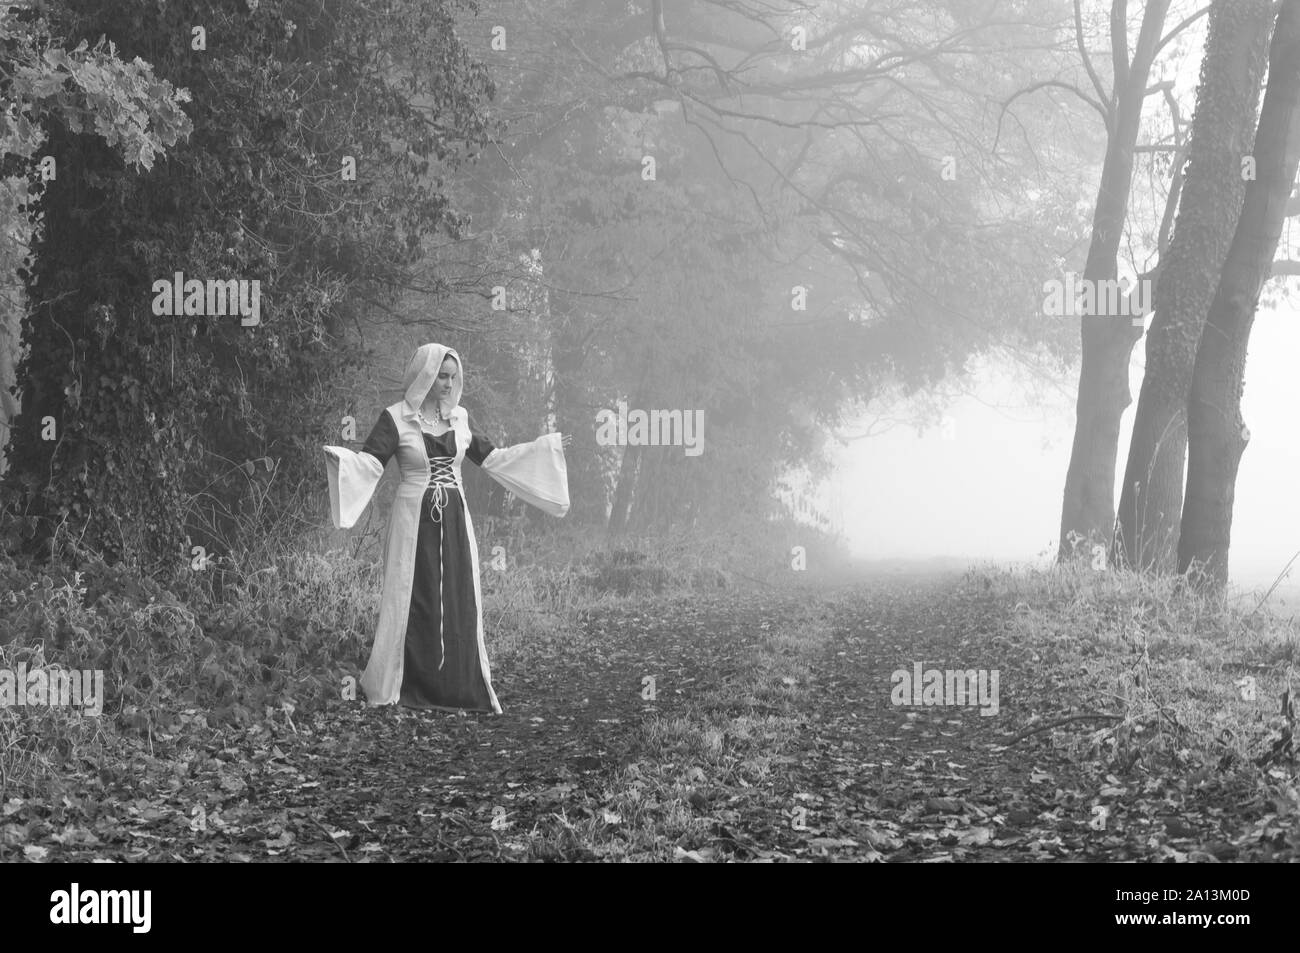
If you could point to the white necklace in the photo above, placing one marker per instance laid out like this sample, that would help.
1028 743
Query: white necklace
438 418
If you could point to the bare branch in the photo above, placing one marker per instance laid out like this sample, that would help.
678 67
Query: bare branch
1102 95
661 35
1183 26
718 71
1034 87
1175 114
1119 44
1171 203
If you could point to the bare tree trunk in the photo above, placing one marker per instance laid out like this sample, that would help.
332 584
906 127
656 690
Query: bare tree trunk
15 236
627 475
574 413
652 512
9 340
1151 496
1217 435
1089 505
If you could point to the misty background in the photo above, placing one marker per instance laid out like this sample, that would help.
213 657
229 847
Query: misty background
879 482
825 226
828 229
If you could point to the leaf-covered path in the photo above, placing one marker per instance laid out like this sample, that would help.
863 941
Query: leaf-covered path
770 735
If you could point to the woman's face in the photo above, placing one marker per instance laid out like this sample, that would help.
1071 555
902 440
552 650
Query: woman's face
446 379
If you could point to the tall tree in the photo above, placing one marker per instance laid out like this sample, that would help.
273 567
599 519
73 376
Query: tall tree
1214 186
1088 509
1216 433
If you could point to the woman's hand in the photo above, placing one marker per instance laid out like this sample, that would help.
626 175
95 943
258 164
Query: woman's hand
566 440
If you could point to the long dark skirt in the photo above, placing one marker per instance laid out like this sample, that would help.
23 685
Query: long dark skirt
443 672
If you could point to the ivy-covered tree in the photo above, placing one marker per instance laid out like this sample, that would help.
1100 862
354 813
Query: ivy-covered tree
84 89
1217 434
1222 131
320 134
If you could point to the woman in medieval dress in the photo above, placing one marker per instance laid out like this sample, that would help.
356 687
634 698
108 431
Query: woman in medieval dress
428 650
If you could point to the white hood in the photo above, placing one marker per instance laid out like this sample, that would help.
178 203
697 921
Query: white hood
422 372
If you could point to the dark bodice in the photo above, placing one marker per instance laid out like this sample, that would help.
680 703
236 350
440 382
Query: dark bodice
444 445
383 440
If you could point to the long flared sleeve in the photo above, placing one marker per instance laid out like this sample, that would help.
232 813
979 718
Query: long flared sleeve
354 475
534 471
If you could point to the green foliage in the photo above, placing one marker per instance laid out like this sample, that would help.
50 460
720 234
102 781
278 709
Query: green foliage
156 416
285 640
86 90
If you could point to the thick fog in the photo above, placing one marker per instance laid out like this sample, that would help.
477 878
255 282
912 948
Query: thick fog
986 482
